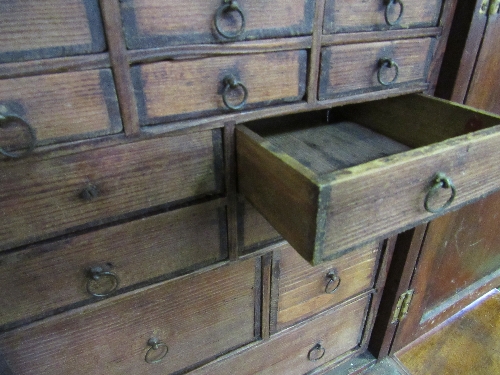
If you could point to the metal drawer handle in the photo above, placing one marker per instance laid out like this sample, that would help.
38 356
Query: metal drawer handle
89 192
389 63
156 352
229 6
95 274
389 5
231 83
316 353
441 181
5 119
333 282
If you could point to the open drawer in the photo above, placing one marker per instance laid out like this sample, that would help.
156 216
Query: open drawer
330 181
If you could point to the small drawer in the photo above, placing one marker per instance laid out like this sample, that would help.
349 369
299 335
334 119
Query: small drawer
57 107
193 319
45 197
172 90
343 16
373 170
360 68
55 275
304 290
154 23
31 30
328 338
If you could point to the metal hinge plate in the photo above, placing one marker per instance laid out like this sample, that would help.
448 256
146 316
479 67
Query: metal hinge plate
402 306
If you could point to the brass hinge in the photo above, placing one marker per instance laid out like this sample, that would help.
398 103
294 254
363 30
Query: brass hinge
402 306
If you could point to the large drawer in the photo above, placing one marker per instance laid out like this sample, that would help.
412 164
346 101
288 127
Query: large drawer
48 196
178 89
193 319
157 23
376 169
55 275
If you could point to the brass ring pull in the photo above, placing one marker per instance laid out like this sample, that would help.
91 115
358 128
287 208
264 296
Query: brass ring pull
95 274
389 4
441 181
156 352
316 353
6 118
389 63
229 6
333 282
231 83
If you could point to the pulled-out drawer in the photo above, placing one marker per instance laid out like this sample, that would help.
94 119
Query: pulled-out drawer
50 196
304 290
373 170
343 16
157 23
171 90
161 329
359 68
55 275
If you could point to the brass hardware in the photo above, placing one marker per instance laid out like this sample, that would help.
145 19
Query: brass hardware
484 7
229 6
95 275
402 306
90 192
494 7
389 5
333 282
7 118
389 63
231 83
440 181
152 355
316 353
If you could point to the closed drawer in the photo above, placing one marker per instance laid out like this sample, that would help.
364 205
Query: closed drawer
49 28
298 350
58 107
196 317
58 274
304 290
156 23
372 15
359 68
180 89
44 197
378 168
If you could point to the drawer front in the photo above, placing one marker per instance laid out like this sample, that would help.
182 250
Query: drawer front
31 30
156 23
179 89
59 107
298 350
359 68
197 318
45 197
57 274
304 290
343 16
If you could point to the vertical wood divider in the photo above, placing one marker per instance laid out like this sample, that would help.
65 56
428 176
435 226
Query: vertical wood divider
267 261
232 201
315 57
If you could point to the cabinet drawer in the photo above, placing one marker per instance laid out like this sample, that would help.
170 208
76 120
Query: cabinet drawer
45 197
179 89
379 168
156 23
196 317
31 30
304 290
359 68
55 275
59 107
371 15
298 350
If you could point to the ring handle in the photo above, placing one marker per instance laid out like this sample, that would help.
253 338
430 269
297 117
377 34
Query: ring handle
97 273
316 353
389 4
229 6
389 63
231 83
333 283
152 355
6 118
441 181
